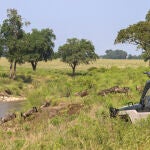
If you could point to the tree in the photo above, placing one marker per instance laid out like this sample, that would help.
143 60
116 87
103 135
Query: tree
1 49
12 37
137 34
134 56
56 55
147 18
76 52
115 54
40 46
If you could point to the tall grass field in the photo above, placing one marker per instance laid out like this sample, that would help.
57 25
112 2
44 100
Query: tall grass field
89 129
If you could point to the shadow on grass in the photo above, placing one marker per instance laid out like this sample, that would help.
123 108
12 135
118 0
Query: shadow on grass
77 74
25 79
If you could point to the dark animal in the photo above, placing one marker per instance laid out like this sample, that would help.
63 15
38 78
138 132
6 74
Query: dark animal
82 93
29 113
104 92
8 92
123 90
113 89
46 104
8 117
107 91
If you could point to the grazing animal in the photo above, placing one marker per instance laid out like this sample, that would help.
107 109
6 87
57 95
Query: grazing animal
29 113
107 91
8 117
104 92
123 90
8 92
46 104
82 93
114 89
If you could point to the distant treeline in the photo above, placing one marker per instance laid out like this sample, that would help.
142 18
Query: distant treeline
119 54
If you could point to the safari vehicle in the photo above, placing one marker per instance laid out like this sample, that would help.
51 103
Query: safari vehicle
135 112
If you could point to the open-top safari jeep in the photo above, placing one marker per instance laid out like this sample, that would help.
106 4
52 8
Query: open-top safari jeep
134 112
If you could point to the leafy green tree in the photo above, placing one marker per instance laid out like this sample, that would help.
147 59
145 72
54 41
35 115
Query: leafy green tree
12 39
1 49
76 52
134 56
56 55
40 46
147 18
137 34
115 54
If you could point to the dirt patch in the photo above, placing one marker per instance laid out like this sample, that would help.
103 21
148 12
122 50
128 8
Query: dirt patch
71 109
74 108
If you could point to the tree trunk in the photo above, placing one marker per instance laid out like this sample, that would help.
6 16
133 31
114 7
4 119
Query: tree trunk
11 70
73 69
12 74
34 64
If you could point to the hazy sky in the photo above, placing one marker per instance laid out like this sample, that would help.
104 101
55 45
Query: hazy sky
96 20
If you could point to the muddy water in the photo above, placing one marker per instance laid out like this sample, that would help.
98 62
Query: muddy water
6 107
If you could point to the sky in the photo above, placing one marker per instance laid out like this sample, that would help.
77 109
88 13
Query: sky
96 20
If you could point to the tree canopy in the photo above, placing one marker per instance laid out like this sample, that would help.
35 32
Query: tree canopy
76 52
137 34
134 56
19 46
12 39
115 54
40 44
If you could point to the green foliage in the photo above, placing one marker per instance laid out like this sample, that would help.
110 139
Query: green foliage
18 144
20 47
116 54
134 56
76 52
147 18
12 34
12 39
40 46
137 34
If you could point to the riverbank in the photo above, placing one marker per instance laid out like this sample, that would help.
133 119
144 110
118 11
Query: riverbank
11 98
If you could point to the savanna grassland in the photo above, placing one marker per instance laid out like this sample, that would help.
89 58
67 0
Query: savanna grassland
91 128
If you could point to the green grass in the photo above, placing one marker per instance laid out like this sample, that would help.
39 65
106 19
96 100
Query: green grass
91 128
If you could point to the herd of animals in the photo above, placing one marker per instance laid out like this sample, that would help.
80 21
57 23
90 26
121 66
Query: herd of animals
114 89
26 114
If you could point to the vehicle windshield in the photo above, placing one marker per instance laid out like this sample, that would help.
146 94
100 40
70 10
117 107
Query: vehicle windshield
147 98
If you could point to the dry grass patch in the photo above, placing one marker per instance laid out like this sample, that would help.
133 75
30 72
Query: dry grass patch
57 64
